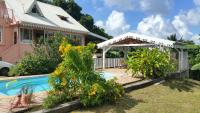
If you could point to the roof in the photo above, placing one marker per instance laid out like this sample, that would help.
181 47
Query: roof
49 15
98 36
140 37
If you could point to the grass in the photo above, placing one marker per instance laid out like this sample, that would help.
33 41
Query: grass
173 96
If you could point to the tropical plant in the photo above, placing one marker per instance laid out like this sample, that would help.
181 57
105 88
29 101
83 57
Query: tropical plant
75 77
151 63
44 58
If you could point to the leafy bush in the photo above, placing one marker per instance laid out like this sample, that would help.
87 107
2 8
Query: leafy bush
44 58
151 63
75 77
97 93
55 99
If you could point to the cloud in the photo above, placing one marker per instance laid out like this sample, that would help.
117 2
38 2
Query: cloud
181 27
197 2
156 6
147 6
120 4
156 25
99 23
196 39
184 21
181 24
115 24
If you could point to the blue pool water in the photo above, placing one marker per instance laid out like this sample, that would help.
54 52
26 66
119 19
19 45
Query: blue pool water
37 84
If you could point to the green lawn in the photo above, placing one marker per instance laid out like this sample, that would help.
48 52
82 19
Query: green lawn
174 96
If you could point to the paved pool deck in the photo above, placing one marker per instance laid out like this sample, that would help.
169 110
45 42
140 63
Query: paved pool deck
123 77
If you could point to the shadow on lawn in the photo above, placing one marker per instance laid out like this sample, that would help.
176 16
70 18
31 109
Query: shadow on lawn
181 84
123 104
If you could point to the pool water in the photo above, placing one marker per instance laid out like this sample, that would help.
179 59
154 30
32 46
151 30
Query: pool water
37 84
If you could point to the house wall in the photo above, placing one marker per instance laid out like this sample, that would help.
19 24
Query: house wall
11 52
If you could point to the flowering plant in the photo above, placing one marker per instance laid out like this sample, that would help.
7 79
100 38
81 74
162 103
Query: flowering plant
75 77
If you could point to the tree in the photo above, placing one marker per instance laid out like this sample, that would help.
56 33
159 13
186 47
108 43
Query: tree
74 9
100 31
87 21
172 37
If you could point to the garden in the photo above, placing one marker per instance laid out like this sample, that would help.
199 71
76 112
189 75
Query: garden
73 77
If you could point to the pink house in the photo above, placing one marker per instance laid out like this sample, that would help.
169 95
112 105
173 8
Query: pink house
23 22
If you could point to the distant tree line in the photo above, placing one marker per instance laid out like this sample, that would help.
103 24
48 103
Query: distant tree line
71 7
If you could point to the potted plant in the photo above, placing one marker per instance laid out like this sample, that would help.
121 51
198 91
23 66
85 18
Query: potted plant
26 95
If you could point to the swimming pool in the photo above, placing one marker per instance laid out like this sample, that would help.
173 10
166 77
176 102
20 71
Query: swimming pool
39 83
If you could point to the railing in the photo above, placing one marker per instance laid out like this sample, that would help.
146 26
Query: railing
109 62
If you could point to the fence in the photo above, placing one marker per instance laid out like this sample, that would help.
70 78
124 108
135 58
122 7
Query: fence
109 62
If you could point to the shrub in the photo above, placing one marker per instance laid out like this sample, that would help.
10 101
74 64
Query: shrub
44 58
55 99
99 93
151 63
75 77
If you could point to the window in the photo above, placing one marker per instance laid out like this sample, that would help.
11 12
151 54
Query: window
26 35
15 37
35 10
74 39
63 18
1 34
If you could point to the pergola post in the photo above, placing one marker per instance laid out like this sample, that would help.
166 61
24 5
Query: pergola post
180 60
105 50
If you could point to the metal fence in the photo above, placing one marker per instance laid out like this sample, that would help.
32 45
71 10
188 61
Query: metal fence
109 62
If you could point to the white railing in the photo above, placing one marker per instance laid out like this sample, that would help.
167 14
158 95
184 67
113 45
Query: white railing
109 62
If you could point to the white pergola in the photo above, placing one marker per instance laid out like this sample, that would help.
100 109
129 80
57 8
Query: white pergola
139 40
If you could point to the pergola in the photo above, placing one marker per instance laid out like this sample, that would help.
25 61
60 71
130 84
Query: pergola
135 40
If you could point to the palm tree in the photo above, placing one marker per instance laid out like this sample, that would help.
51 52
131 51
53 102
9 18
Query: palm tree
172 37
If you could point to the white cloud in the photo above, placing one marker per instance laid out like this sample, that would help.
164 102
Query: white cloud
196 39
99 23
115 24
197 2
181 27
150 6
156 6
192 17
156 25
181 24
120 4
186 20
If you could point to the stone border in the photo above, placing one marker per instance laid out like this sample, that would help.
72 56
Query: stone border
141 84
63 108
73 105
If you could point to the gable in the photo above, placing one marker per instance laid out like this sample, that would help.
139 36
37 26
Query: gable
34 9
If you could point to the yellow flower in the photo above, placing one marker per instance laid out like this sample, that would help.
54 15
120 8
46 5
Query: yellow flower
61 48
67 48
94 90
64 82
78 48
57 72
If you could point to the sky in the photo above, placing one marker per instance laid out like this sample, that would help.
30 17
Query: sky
159 18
